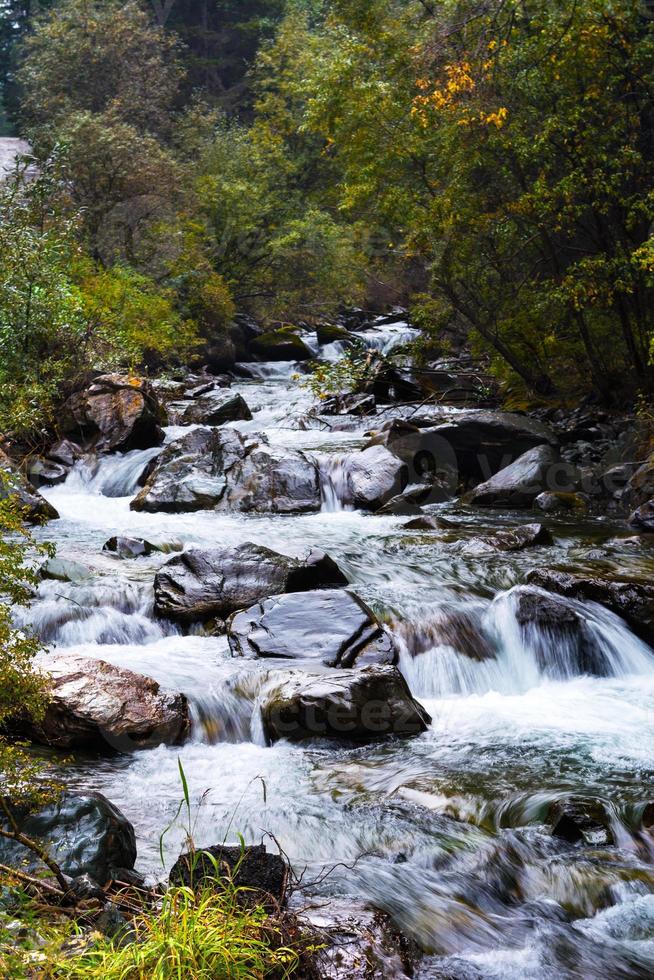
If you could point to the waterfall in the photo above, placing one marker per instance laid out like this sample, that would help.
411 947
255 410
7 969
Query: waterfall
334 484
111 476
468 652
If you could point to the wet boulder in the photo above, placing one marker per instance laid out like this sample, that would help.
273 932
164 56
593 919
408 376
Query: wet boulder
96 705
333 626
215 407
64 570
45 472
642 518
515 539
65 452
124 547
581 820
86 835
640 487
373 477
35 508
457 629
273 480
486 442
115 412
428 523
348 403
201 585
280 345
191 472
330 333
561 640
632 599
561 503
263 877
519 484
357 942
359 705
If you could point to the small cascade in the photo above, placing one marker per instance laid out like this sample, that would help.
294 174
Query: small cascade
220 716
387 337
111 476
471 651
65 615
334 483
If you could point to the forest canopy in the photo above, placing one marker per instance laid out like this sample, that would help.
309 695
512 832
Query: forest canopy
487 164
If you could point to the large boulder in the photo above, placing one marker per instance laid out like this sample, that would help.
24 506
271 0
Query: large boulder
190 474
200 585
642 518
373 477
34 507
334 626
640 487
280 345
273 479
114 413
632 599
263 877
215 407
559 637
85 834
485 442
519 484
352 705
460 630
96 705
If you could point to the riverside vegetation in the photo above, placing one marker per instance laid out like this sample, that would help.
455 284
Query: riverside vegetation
327 501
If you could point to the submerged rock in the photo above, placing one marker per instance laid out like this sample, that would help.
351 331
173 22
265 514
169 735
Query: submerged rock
519 484
459 629
631 599
114 413
552 503
350 705
64 570
35 508
96 705
86 835
581 820
124 547
334 626
200 585
262 876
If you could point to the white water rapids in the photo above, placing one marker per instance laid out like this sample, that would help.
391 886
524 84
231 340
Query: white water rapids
443 831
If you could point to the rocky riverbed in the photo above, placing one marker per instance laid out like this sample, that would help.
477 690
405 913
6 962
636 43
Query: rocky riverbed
409 639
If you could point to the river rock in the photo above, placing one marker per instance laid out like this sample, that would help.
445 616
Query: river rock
553 503
359 943
359 705
486 442
373 477
65 452
516 539
428 523
581 820
640 487
262 876
190 474
348 403
642 519
561 640
200 585
334 626
274 480
130 547
35 508
96 705
114 413
65 570
86 835
632 599
216 407
280 345
458 629
519 484
45 472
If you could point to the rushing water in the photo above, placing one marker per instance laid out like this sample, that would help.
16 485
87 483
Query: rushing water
444 831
